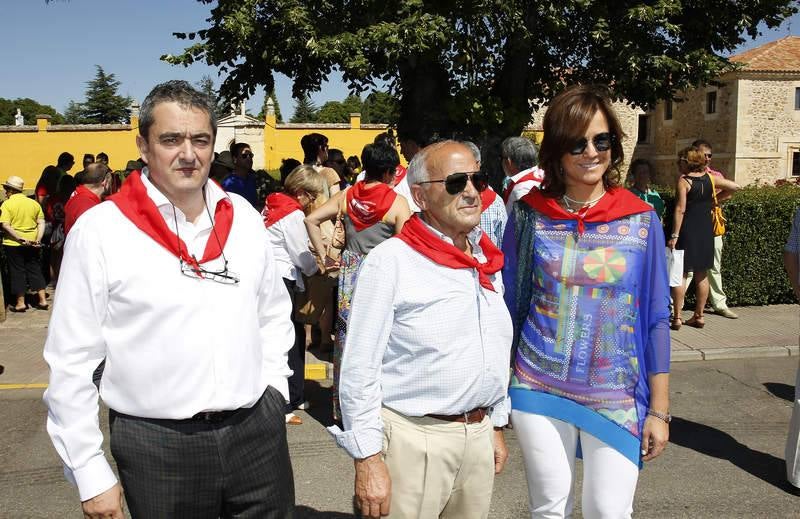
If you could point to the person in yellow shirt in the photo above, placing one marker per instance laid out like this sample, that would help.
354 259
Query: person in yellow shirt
22 220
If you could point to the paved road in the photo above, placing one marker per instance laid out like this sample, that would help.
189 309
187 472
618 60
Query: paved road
725 459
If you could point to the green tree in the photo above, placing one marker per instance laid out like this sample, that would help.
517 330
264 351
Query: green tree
380 107
477 67
103 105
206 86
339 112
276 105
304 111
29 108
74 113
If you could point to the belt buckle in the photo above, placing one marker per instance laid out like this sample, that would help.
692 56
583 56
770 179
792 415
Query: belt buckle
466 417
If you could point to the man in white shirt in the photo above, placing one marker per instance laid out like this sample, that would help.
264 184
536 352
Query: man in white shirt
519 158
425 366
173 282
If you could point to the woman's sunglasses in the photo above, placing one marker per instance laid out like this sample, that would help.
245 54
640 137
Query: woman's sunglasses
457 182
601 142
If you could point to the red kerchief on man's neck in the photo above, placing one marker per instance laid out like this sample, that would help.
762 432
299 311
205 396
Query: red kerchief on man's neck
417 235
278 206
133 201
487 198
615 204
367 206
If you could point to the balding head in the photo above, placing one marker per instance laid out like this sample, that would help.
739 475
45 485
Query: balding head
453 214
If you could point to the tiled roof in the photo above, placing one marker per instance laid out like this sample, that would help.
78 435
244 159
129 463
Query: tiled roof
776 56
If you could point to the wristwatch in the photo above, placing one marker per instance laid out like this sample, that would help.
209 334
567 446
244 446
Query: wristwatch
674 236
661 416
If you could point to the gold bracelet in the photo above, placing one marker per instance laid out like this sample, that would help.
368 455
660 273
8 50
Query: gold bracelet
667 418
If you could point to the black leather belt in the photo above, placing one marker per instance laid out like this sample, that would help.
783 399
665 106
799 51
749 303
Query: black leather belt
212 416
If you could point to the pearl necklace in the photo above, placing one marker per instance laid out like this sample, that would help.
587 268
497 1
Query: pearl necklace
581 204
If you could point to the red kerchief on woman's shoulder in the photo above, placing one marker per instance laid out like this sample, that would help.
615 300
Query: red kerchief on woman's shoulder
417 235
278 206
616 203
367 206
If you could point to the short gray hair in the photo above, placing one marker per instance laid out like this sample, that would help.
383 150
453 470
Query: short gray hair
175 91
521 151
418 168
476 151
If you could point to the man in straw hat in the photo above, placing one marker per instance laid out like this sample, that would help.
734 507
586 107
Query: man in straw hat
22 220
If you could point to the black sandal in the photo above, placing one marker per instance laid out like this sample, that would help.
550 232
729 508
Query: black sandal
17 310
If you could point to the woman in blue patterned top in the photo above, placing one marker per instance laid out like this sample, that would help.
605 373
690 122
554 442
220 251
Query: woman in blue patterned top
586 285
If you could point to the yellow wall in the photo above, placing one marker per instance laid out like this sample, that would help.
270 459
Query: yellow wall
26 153
282 141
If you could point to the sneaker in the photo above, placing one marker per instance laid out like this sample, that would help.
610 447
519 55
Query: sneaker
726 312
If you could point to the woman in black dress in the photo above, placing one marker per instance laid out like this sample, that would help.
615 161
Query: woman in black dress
693 230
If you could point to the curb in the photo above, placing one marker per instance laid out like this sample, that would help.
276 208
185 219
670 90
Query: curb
746 352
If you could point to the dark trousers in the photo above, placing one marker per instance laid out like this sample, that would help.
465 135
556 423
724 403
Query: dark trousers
297 356
238 467
24 269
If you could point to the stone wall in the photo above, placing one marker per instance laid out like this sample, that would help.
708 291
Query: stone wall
769 127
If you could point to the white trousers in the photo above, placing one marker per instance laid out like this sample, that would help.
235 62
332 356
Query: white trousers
548 449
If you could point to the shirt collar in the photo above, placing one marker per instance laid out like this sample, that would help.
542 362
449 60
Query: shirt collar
213 194
518 176
473 237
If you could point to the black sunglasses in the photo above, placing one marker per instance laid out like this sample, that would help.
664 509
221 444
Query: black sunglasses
457 182
247 155
601 142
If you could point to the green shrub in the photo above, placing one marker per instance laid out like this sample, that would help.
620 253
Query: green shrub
758 223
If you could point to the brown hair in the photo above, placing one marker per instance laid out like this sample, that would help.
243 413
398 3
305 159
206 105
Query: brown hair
565 123
695 159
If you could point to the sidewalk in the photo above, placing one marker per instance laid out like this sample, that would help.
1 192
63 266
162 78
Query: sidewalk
760 331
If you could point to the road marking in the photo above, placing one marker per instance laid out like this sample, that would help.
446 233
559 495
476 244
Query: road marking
23 386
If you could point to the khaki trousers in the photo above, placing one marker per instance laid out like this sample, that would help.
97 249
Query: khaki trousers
438 469
716 297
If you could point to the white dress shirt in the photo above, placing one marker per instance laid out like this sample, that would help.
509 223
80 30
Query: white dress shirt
289 240
521 189
422 339
174 345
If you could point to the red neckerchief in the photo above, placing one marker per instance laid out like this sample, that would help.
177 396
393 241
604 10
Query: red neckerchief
366 206
399 173
82 190
616 203
417 235
510 186
487 198
278 206
133 201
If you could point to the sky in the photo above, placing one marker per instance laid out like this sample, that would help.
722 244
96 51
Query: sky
49 51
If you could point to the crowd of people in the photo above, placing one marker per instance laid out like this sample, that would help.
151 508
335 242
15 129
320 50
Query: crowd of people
201 299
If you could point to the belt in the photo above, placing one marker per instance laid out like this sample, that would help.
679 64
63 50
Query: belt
211 416
475 416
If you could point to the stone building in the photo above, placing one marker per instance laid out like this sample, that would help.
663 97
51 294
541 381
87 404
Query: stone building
751 117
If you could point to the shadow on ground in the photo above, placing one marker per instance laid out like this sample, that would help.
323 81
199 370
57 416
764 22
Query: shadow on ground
719 444
304 512
784 391
318 394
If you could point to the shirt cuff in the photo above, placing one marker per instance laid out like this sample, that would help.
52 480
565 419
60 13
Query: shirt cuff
92 479
499 413
359 444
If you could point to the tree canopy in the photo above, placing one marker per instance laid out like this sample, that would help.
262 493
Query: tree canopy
206 86
29 108
304 111
103 105
481 66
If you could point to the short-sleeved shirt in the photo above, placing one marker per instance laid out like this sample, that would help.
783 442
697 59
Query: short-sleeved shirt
245 187
23 214
651 197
